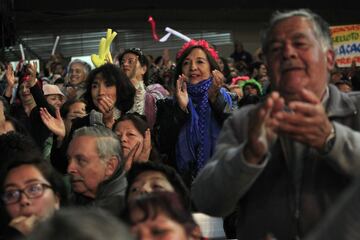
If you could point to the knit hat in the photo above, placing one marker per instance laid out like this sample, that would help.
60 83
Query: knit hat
252 82
50 89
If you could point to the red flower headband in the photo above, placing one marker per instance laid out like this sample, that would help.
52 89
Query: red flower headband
201 43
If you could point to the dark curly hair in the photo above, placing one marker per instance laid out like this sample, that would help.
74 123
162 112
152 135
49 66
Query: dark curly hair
15 146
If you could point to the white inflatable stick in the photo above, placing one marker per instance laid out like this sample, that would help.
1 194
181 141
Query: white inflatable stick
22 52
55 45
176 33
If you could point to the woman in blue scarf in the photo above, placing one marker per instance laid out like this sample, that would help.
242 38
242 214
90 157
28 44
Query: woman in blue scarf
188 124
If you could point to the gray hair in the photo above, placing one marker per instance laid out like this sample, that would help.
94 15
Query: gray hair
107 142
320 27
81 223
87 67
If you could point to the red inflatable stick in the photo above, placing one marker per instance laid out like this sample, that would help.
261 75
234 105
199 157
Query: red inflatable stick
153 28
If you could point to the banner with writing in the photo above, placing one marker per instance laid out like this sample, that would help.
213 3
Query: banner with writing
346 41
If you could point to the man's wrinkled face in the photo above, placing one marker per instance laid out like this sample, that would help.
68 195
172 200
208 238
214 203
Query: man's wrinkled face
85 168
297 59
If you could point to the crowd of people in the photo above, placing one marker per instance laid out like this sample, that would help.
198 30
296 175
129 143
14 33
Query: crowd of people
263 146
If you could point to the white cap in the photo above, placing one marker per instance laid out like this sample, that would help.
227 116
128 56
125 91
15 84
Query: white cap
50 89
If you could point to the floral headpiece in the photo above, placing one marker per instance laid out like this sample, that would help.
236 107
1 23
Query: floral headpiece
202 43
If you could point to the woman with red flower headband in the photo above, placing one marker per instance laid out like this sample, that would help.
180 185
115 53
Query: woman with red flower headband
188 125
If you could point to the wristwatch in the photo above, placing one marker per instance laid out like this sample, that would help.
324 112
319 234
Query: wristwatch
330 140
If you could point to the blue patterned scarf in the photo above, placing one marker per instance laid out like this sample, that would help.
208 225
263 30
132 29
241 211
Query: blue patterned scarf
197 137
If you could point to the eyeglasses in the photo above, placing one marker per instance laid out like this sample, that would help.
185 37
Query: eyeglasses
129 61
31 191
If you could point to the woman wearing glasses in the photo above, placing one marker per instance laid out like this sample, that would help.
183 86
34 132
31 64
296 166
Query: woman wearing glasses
31 191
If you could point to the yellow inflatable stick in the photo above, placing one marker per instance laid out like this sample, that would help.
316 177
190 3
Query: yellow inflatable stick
104 55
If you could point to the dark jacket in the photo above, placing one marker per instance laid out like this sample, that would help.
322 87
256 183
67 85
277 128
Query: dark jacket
10 233
169 122
109 196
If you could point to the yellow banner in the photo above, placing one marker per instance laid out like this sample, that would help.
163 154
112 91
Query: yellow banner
346 42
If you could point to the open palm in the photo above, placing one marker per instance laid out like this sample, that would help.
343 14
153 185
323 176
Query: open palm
55 125
181 92
146 148
10 76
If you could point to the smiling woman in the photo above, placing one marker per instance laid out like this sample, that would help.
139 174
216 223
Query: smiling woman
188 125
78 71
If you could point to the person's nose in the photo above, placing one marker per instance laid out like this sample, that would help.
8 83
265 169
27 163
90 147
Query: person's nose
71 167
123 138
25 90
125 63
146 188
253 91
289 51
24 200
102 89
193 66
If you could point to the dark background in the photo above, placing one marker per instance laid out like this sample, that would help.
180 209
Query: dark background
24 17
